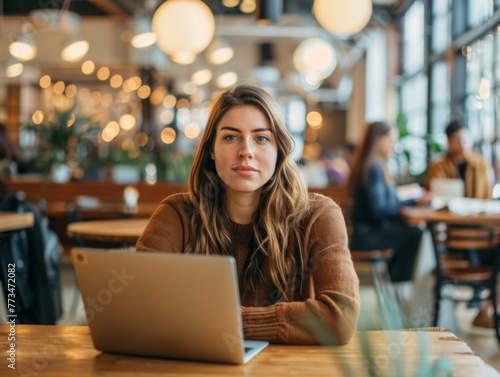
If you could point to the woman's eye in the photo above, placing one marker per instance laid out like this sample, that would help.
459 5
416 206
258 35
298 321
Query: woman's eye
262 138
229 137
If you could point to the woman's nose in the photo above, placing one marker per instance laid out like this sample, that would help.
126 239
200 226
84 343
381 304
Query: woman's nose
246 150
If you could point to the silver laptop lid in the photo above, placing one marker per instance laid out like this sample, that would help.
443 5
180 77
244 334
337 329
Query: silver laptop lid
448 187
162 304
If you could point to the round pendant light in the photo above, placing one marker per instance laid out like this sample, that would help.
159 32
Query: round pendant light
343 17
23 47
315 58
183 27
143 35
75 49
13 68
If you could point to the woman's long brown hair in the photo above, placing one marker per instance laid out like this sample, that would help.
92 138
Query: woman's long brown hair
365 153
283 201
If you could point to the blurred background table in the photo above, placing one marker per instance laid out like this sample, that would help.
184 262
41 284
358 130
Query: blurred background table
14 220
457 239
124 231
415 215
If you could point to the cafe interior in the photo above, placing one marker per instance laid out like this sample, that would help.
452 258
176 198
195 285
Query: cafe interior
106 101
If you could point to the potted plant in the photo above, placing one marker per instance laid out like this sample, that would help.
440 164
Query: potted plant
174 166
60 134
410 151
128 164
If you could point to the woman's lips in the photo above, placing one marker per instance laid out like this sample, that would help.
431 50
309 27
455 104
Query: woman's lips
245 171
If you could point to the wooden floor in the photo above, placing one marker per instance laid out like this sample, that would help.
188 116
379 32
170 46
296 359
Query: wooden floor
482 341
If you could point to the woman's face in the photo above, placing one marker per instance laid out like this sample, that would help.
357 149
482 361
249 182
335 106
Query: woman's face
245 150
459 143
386 144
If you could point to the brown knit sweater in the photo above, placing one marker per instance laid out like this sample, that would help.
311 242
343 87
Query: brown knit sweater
330 287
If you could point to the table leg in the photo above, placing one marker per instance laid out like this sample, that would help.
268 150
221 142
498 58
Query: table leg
439 276
494 292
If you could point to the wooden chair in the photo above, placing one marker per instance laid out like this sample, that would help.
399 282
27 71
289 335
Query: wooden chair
91 208
376 260
453 269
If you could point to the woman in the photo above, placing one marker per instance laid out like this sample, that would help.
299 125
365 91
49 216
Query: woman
375 215
248 199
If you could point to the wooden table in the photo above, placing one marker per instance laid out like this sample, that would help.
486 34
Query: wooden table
14 220
126 231
68 351
415 215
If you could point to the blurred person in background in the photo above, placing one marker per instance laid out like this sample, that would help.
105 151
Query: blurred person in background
375 213
460 162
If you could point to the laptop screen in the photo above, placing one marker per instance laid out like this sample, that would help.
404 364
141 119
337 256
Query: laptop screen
162 304
448 187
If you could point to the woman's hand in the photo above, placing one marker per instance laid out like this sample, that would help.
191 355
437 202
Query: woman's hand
425 199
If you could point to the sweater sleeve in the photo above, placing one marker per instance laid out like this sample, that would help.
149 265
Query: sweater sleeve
165 230
334 285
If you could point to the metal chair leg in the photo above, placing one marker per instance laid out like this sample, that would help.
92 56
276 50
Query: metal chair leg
437 300
386 297
380 272
494 297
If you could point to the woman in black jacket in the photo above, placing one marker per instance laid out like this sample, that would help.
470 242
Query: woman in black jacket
375 215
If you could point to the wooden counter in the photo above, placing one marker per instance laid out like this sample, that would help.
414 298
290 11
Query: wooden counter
60 192
57 195
32 186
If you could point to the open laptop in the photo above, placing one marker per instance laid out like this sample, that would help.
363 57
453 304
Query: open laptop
448 187
164 305
444 189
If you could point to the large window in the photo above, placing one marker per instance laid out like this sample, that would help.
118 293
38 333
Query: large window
479 11
413 38
440 101
441 25
479 104
414 87
439 85
414 103
463 73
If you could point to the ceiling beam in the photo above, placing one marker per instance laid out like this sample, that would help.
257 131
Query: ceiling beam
109 7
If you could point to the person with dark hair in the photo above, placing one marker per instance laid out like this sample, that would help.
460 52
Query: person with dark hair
460 162
248 199
375 212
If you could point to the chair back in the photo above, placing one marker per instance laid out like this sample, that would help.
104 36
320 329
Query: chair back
470 237
90 208
461 241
